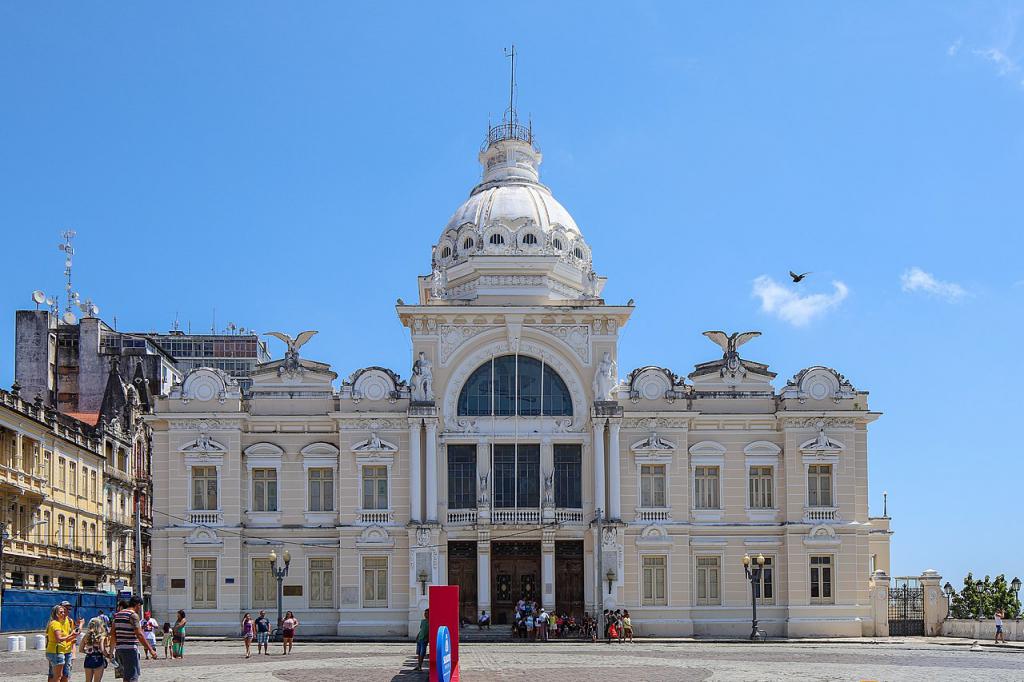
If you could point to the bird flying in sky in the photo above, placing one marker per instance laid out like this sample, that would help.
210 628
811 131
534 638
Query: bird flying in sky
796 277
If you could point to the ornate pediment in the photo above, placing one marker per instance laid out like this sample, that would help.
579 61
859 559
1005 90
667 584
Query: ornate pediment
375 537
818 383
821 535
654 536
822 443
653 448
374 447
204 443
204 536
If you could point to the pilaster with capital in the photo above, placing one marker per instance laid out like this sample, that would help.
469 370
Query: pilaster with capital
599 493
483 571
547 569
415 467
614 471
431 427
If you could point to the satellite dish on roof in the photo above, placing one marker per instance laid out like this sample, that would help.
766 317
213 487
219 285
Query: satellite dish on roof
69 318
38 297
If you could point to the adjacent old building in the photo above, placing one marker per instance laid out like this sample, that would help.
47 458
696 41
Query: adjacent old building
515 461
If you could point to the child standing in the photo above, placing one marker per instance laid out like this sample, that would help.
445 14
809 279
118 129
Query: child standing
167 640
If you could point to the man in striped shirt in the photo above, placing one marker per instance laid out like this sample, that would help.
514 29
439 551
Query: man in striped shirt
127 629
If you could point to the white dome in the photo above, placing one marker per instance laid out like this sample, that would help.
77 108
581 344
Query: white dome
512 204
511 237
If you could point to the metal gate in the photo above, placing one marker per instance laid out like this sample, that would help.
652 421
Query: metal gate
906 611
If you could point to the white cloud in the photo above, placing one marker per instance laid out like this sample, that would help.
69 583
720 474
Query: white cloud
955 47
785 303
1005 64
915 279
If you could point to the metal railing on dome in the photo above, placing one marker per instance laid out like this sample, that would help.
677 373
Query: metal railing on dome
510 131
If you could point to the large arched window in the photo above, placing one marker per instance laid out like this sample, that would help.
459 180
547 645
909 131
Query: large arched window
511 384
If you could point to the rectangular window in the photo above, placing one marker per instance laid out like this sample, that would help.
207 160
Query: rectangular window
62 473
73 475
568 476
705 494
516 471
819 485
264 585
321 583
761 485
764 586
708 581
47 472
375 582
321 489
375 487
264 490
204 488
204 583
652 485
654 581
94 488
461 476
821 580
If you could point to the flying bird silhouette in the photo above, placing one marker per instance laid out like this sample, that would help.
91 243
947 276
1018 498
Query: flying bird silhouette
796 277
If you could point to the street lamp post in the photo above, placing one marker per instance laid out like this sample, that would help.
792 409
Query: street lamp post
1015 586
948 589
753 571
4 535
280 571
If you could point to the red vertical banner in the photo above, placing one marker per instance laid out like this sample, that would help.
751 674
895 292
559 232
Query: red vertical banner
444 611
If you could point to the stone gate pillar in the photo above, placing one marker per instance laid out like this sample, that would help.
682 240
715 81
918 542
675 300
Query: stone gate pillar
936 606
880 603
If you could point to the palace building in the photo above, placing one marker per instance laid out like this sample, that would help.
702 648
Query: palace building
515 461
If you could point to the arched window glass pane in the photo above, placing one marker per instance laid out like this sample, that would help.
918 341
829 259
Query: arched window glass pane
495 384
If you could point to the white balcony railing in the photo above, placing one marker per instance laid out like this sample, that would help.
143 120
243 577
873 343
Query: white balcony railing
375 517
206 518
515 516
569 516
461 517
653 514
819 514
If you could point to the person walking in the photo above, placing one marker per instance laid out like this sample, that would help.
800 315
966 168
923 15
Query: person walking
149 628
247 633
421 639
125 636
105 617
96 648
1000 637
178 636
263 634
627 626
288 627
60 640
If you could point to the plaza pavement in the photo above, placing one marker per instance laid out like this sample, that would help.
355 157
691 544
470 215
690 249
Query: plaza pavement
661 661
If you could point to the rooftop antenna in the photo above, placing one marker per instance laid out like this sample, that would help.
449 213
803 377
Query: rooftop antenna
511 54
175 326
69 251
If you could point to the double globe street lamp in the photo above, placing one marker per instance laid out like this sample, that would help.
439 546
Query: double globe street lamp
753 570
280 571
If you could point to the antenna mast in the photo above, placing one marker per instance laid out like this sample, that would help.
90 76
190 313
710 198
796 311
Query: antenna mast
69 251
511 54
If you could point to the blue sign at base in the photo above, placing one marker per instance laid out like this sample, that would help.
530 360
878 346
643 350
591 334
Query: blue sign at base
444 654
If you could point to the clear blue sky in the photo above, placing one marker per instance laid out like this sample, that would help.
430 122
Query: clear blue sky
292 164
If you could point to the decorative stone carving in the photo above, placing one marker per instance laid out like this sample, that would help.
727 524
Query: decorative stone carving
205 384
483 500
653 442
374 444
374 383
732 367
822 442
291 365
818 383
372 424
453 336
422 537
651 423
812 422
576 336
549 489
604 378
422 382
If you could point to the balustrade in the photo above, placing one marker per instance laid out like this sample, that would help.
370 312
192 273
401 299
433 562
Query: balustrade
818 514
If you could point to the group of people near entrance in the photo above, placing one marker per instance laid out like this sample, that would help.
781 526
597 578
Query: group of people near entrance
535 624
108 640
618 626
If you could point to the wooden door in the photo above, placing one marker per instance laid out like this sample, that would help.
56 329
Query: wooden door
462 572
515 575
569 578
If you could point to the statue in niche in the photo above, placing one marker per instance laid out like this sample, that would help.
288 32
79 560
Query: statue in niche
604 378
422 382
483 499
439 284
549 490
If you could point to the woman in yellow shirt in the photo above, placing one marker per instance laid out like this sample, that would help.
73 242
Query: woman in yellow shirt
60 640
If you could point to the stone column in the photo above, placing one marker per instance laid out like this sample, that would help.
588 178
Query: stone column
19 458
483 573
935 603
483 470
614 488
599 497
431 425
547 570
880 603
415 466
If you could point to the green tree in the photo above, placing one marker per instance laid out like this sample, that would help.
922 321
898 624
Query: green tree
985 597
